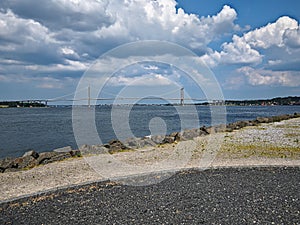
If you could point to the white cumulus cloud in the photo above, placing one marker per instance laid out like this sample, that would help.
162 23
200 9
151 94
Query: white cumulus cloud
70 34
143 80
291 37
271 34
259 77
270 42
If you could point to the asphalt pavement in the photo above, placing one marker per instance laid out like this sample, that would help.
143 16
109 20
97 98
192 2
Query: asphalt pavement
215 196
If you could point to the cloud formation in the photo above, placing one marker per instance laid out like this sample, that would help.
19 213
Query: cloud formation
60 39
143 80
67 35
291 38
272 42
38 82
258 77
79 25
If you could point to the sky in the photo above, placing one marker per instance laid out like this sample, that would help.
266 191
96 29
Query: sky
251 47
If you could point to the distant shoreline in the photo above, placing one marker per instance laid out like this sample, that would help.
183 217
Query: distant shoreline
290 100
103 105
22 104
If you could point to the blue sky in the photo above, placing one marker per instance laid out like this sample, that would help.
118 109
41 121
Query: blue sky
252 47
255 13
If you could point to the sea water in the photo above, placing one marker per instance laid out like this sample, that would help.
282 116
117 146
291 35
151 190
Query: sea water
45 129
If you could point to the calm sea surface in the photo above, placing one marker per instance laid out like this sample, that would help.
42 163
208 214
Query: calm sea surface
45 129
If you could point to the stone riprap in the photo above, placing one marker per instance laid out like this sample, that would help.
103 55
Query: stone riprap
32 158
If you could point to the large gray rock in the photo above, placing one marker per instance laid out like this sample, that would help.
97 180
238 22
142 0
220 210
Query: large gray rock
175 135
93 149
216 129
115 146
48 157
157 139
75 153
263 119
230 127
219 128
31 159
12 170
64 149
189 134
133 143
147 142
168 140
203 131
16 164
279 118
84 147
136 143
5 164
240 124
32 153
25 162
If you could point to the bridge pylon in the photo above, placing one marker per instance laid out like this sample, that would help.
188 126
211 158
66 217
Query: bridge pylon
182 96
89 96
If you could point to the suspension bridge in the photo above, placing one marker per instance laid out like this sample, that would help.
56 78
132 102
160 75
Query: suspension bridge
181 100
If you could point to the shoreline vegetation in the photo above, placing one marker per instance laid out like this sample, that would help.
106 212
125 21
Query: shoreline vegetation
260 102
22 104
33 159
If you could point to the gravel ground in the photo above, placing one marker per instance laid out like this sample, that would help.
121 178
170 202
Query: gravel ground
284 135
214 196
281 134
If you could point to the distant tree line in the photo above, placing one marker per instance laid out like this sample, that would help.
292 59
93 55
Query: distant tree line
12 104
274 101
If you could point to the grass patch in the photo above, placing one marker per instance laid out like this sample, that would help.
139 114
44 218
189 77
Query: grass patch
259 127
249 150
120 150
287 126
292 135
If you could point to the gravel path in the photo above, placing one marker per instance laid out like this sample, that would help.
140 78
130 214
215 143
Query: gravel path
279 139
215 196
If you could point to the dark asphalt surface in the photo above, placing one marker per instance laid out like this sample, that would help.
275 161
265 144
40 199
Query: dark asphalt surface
220 196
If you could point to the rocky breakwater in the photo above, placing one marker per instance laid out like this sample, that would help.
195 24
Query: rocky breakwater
152 141
31 158
240 124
